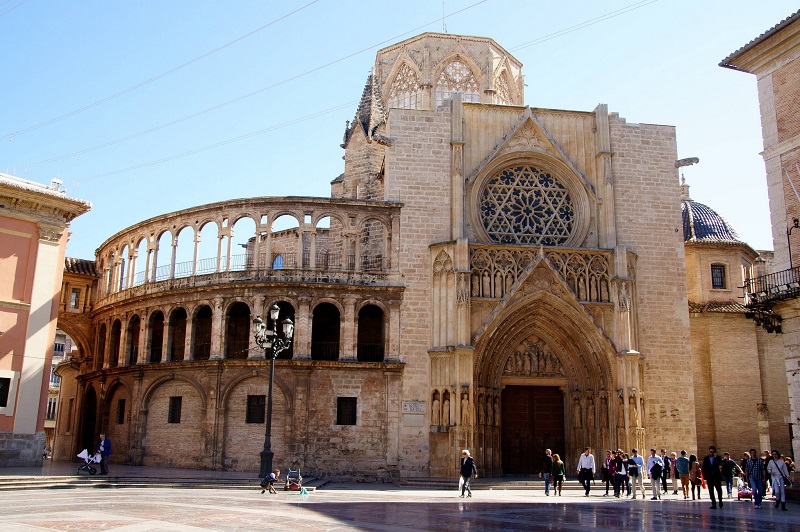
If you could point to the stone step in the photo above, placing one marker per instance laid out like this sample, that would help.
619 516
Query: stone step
70 482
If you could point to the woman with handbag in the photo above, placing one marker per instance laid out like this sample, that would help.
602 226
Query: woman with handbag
558 472
780 479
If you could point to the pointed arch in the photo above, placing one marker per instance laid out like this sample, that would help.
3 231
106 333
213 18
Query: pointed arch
405 89
457 73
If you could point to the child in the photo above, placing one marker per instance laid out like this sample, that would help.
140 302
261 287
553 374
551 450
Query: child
272 479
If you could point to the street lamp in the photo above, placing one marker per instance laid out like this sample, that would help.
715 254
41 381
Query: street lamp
268 340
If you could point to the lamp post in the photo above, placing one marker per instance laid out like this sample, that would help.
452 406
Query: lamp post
267 339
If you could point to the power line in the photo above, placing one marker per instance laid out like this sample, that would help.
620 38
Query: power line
223 142
582 25
148 81
12 9
238 98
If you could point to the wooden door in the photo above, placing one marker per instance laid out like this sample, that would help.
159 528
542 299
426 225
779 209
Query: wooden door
532 421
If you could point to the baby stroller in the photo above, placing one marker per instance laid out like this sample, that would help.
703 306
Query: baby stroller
88 461
744 491
294 482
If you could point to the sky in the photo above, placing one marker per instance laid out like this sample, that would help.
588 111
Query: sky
149 107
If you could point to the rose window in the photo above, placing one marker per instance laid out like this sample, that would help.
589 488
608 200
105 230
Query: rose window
526 206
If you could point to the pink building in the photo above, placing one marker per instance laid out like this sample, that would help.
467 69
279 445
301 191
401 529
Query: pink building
33 237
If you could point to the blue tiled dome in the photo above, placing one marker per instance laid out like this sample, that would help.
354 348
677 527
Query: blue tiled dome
702 224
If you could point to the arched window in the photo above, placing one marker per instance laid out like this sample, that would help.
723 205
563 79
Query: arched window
325 332
277 263
457 77
237 332
502 90
113 348
370 334
201 344
177 334
287 311
101 347
405 89
156 337
133 340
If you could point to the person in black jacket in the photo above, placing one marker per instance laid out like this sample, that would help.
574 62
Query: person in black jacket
468 471
712 472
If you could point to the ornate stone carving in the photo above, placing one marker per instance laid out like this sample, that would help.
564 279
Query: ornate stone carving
435 412
462 291
576 413
590 413
494 271
48 234
446 412
465 413
532 358
603 411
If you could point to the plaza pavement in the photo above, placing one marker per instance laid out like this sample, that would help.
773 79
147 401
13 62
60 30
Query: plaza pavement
351 506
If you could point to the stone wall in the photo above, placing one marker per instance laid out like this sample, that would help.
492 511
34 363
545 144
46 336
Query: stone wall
417 174
648 223
21 450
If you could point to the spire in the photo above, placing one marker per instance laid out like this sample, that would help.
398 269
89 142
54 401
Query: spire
371 113
684 190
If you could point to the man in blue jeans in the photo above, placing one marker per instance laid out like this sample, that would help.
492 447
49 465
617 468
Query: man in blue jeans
547 468
756 475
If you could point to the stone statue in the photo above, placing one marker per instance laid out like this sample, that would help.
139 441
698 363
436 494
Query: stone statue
462 292
604 412
576 413
489 410
435 412
446 412
481 410
621 413
634 412
497 411
590 414
624 298
464 410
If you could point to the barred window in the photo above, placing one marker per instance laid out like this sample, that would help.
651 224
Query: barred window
174 414
255 409
718 276
346 410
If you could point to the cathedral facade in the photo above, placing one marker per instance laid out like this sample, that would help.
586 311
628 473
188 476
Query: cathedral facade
485 275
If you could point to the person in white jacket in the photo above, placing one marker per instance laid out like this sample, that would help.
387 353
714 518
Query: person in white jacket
780 476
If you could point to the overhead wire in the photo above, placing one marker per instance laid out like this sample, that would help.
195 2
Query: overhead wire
12 9
223 142
139 85
239 98
564 31
582 25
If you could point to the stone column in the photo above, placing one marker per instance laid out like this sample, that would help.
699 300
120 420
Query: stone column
348 330
188 353
143 330
216 329
302 330
253 351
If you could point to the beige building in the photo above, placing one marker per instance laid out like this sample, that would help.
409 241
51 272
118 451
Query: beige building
33 236
774 57
485 275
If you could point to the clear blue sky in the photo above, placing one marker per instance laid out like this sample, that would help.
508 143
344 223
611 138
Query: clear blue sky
654 63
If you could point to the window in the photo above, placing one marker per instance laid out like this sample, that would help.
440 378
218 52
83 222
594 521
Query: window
174 415
74 297
255 408
346 410
120 411
52 403
5 387
718 276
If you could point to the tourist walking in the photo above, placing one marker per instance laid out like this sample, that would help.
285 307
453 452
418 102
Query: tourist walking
666 471
547 466
729 469
682 467
558 471
636 472
712 472
104 448
674 472
468 471
695 477
756 476
586 469
655 467
768 479
620 473
779 472
605 472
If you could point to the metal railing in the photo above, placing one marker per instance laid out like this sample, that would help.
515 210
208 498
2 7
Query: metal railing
766 290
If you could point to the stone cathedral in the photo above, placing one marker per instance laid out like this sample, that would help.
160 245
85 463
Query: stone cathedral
485 275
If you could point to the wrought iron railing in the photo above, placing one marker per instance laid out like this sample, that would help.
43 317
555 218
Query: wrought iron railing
766 290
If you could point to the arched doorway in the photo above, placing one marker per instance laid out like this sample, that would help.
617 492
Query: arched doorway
89 421
547 369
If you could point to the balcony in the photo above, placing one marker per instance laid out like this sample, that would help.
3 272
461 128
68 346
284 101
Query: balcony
762 293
